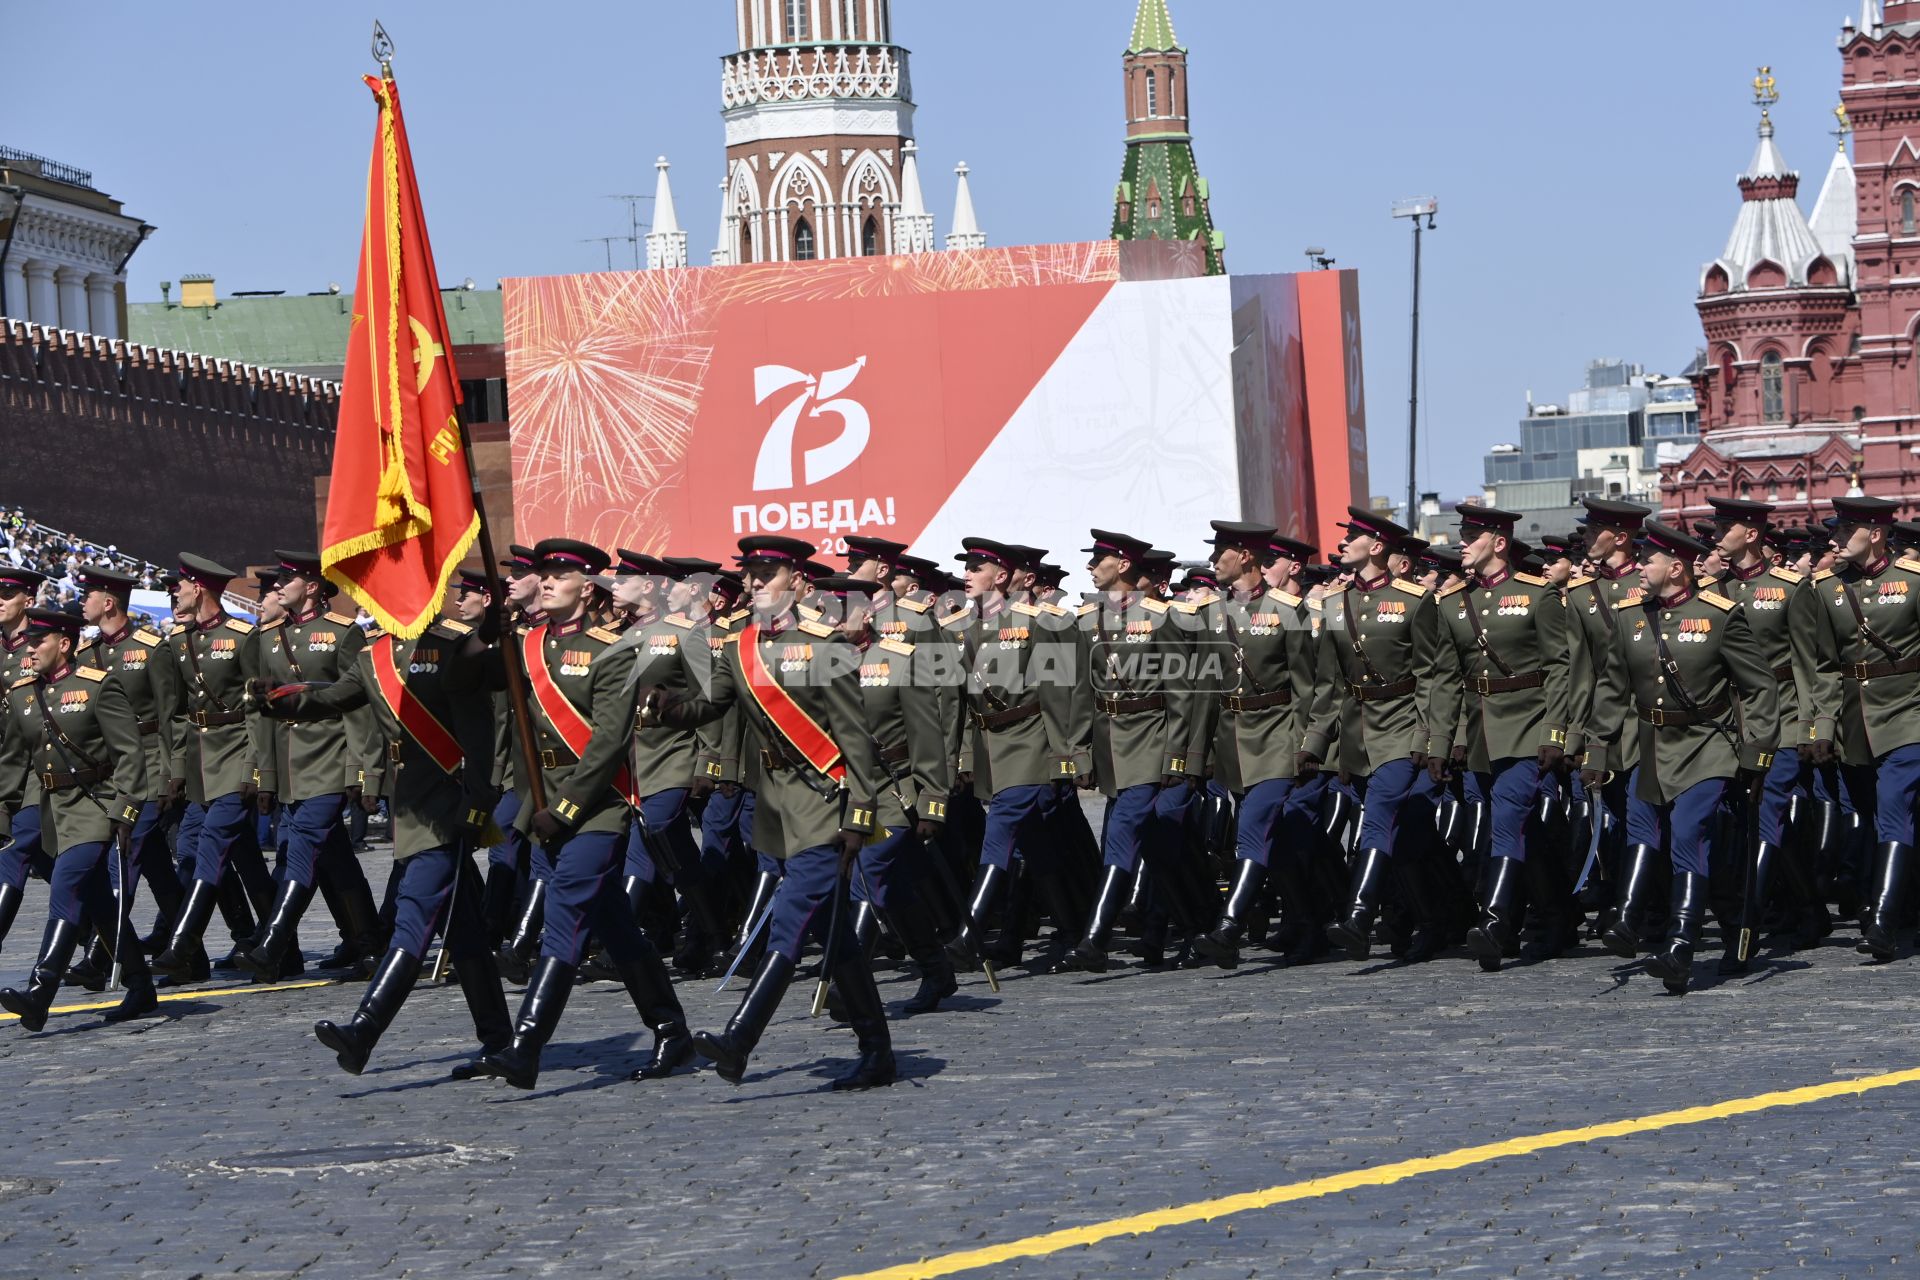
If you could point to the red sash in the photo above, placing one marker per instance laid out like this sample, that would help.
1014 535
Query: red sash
573 728
813 743
421 724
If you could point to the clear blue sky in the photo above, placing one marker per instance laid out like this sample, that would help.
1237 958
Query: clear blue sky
1584 155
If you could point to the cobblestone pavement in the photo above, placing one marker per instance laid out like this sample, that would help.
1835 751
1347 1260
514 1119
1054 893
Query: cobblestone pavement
222 1139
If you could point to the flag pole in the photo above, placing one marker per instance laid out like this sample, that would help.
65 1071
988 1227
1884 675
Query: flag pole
518 704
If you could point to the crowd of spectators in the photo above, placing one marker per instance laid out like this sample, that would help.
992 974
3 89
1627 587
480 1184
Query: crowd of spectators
25 543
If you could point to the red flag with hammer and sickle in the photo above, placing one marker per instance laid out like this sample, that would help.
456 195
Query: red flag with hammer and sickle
400 513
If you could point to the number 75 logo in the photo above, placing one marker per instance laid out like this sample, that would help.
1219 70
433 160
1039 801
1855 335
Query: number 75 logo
773 468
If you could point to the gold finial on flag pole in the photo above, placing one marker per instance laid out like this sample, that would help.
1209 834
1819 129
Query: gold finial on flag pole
383 49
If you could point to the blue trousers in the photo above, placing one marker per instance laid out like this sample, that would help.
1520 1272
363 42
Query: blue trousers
82 887
214 829
1645 824
1263 809
1129 828
147 850
1513 787
804 902
426 888
1383 793
512 851
1685 826
583 892
665 814
24 853
1015 819
1885 792
882 876
1777 793
306 826
726 825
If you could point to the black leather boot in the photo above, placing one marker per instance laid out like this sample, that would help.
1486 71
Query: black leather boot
1499 913
1799 865
496 902
964 948
1892 866
236 912
1222 946
647 983
548 987
56 949
729 1051
366 936
1090 956
1673 965
1354 930
94 968
1622 937
921 937
479 975
265 958
386 991
763 886
869 1021
185 960
1550 902
516 954
9 908
140 998
1751 913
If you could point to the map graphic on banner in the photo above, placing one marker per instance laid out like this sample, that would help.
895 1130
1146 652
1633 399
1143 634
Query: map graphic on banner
1030 392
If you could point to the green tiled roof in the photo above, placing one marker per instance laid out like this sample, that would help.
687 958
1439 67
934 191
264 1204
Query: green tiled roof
299 334
1153 28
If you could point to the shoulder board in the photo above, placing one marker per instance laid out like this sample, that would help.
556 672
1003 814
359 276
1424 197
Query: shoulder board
445 629
1317 605
1056 611
1717 600
816 628
1822 575
94 674
917 606
1411 588
1153 606
730 637
1458 586
1284 597
603 634
735 619
1532 580
375 631
958 615
1706 582
1631 602
1579 582
456 626
1205 600
806 611
1189 606
244 628
1908 563
896 646
275 625
1785 575
144 636
1086 609
1025 610
680 620
342 619
22 682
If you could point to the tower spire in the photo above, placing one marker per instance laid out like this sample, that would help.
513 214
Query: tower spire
913 225
1153 29
1161 195
666 242
966 233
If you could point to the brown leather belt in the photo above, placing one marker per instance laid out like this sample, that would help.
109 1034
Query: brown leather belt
778 756
993 720
208 719
51 781
1874 670
393 750
1381 692
552 759
1664 717
1112 706
894 754
1237 702
1484 685
149 726
1783 672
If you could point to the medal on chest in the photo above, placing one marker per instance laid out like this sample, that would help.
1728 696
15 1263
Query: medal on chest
1769 598
1695 630
663 645
1013 637
72 701
576 662
1892 591
1264 624
1514 606
1391 611
1139 631
222 649
425 661
133 659
322 641
876 675
795 657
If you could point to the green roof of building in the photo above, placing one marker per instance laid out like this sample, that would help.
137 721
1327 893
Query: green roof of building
1153 28
298 334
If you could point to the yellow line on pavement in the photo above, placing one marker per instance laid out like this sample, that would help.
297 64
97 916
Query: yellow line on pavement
194 993
1053 1242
